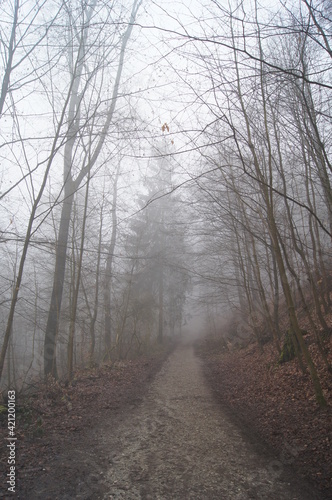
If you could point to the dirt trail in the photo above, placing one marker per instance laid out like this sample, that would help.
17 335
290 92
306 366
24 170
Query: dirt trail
178 444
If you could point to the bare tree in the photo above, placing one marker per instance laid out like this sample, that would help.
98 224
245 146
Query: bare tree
38 190
241 99
71 178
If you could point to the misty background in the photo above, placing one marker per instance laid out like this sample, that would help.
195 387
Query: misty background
165 170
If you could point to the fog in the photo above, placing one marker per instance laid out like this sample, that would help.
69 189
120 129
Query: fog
165 172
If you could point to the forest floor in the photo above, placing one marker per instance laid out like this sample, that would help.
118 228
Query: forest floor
277 403
154 429
59 429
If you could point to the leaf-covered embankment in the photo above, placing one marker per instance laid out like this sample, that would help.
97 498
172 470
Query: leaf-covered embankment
277 402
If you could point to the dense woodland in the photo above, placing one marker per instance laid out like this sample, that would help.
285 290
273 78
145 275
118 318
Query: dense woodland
162 163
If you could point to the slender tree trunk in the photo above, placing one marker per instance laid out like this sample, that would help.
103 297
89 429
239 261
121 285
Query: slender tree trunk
276 300
93 318
161 279
161 303
9 62
76 289
108 271
52 326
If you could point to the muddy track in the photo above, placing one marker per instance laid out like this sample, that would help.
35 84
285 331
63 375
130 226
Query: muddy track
174 443
178 444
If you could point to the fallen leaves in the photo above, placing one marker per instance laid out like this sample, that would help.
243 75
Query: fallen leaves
276 401
67 415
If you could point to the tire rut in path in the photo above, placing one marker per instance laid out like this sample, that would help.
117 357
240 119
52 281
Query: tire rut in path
178 444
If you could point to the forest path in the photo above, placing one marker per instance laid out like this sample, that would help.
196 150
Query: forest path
179 444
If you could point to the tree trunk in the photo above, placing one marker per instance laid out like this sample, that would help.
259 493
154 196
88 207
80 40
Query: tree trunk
108 272
161 304
52 326
96 301
76 289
